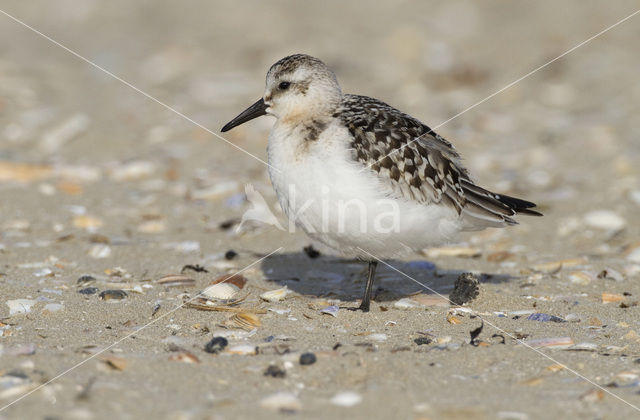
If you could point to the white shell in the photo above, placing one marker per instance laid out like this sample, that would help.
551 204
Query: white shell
52 307
282 401
604 219
634 255
275 295
346 399
330 310
406 303
581 277
280 311
378 337
242 349
221 291
100 251
20 306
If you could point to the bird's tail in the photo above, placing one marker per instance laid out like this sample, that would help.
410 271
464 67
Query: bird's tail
484 208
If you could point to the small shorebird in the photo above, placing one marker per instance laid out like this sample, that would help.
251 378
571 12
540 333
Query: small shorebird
362 177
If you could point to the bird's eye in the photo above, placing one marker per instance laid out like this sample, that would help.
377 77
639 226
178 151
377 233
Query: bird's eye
284 85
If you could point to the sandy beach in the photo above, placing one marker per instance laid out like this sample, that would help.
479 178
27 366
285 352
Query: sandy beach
119 204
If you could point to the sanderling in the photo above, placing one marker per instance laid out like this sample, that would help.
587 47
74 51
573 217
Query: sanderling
362 177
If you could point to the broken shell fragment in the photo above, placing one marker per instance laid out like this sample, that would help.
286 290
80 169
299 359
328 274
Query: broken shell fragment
112 294
346 399
604 219
115 363
406 303
555 342
184 357
330 310
611 297
243 349
177 280
50 308
282 401
555 266
243 320
85 280
581 277
100 251
275 295
458 251
87 222
20 306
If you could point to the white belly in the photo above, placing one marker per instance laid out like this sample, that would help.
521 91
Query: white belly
323 192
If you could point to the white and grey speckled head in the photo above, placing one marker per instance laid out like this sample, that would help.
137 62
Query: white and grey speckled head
300 84
298 87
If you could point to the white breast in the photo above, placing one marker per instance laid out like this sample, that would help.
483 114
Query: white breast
323 191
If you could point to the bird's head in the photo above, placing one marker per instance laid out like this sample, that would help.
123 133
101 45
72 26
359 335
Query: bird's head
297 87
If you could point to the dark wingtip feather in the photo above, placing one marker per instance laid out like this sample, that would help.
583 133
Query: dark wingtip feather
528 212
518 205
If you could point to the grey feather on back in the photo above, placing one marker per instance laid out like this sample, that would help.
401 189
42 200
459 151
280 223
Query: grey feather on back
427 170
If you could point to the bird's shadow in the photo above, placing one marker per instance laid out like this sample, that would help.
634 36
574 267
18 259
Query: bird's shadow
335 278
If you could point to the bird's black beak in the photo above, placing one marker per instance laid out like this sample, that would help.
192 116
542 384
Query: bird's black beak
254 111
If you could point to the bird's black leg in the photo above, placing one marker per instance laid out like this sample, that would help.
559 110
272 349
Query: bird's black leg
366 299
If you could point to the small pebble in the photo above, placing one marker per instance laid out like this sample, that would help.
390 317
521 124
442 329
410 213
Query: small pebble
275 372
216 345
311 251
115 294
422 340
307 359
88 291
230 254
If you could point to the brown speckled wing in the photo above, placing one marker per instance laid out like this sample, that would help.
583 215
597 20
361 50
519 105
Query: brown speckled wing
427 170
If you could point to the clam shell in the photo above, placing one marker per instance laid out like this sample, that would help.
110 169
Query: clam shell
221 291
225 287
243 320
275 295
